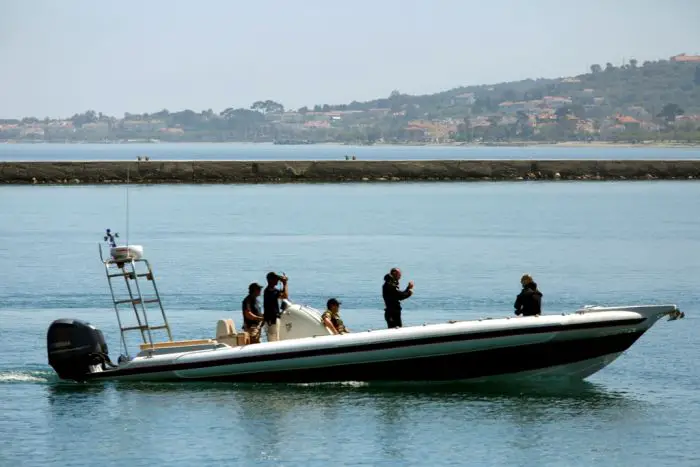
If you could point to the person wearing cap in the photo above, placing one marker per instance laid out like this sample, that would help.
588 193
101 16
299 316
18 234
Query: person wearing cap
271 305
252 316
393 296
529 300
331 317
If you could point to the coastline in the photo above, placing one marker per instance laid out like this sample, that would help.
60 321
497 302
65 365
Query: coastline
333 171
523 144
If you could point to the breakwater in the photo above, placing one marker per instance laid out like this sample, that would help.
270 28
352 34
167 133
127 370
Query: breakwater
153 172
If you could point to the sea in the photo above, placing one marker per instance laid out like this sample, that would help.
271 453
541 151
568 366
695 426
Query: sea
20 152
465 245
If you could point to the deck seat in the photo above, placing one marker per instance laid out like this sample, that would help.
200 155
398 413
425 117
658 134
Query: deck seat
226 333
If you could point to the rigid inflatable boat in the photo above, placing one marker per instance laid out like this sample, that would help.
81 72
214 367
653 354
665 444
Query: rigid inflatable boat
571 346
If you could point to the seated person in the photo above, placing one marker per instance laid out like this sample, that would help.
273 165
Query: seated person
529 300
331 317
252 316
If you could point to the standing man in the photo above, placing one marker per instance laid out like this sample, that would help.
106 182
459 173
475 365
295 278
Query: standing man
271 305
252 316
393 296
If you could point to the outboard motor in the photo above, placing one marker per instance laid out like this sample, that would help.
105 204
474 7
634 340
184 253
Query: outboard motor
76 348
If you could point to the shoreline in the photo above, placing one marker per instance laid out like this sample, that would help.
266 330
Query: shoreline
513 144
330 171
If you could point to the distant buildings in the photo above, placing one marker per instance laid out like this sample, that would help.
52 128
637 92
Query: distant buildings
683 58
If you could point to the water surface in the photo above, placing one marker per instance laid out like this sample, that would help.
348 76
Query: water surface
465 246
269 151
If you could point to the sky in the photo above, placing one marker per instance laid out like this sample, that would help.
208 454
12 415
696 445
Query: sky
58 58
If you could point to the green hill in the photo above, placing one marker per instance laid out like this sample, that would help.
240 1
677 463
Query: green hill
650 86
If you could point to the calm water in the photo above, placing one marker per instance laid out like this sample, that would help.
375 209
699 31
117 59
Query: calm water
264 151
464 245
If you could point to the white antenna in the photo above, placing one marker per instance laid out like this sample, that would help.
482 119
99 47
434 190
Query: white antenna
128 166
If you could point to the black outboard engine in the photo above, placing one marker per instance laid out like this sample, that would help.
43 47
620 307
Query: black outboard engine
76 348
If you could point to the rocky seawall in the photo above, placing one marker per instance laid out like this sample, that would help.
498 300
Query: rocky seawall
341 171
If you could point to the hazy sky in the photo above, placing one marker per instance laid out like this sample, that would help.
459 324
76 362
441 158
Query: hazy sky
59 57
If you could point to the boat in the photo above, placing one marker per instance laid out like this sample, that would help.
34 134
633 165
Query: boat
569 346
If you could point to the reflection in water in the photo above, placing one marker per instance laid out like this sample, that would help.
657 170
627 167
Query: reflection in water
265 421
286 396
391 425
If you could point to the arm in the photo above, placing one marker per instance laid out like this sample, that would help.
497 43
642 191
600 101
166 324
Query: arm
329 325
404 294
252 316
397 294
285 288
248 313
518 303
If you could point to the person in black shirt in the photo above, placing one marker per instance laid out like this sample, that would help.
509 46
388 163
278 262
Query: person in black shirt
529 300
252 316
393 296
271 305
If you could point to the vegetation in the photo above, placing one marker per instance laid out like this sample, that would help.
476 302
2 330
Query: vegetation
656 100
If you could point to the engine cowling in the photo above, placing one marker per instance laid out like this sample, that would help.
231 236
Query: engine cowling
76 348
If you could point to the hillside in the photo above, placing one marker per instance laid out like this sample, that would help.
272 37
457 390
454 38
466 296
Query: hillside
651 86
657 100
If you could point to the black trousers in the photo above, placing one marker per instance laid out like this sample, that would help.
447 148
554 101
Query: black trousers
393 319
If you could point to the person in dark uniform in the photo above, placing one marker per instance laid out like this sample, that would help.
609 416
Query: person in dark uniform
331 317
252 316
393 296
271 305
529 300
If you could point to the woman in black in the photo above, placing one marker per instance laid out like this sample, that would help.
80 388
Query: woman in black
529 300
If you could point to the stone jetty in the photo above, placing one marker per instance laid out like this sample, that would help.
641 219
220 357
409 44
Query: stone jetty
195 172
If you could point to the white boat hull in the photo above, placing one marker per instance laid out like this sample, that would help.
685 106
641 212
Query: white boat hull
572 346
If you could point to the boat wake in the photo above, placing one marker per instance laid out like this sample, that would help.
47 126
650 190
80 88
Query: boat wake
336 384
24 375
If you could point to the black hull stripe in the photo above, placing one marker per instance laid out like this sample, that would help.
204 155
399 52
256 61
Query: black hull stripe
363 348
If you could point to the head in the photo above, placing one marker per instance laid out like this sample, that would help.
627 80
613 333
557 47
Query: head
333 305
526 280
272 279
395 273
254 289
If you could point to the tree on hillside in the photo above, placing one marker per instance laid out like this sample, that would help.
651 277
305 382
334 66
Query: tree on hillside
562 113
595 68
395 101
609 67
509 95
81 119
633 63
670 112
187 118
267 106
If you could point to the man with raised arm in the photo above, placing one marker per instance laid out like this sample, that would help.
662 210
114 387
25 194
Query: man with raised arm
271 305
393 296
